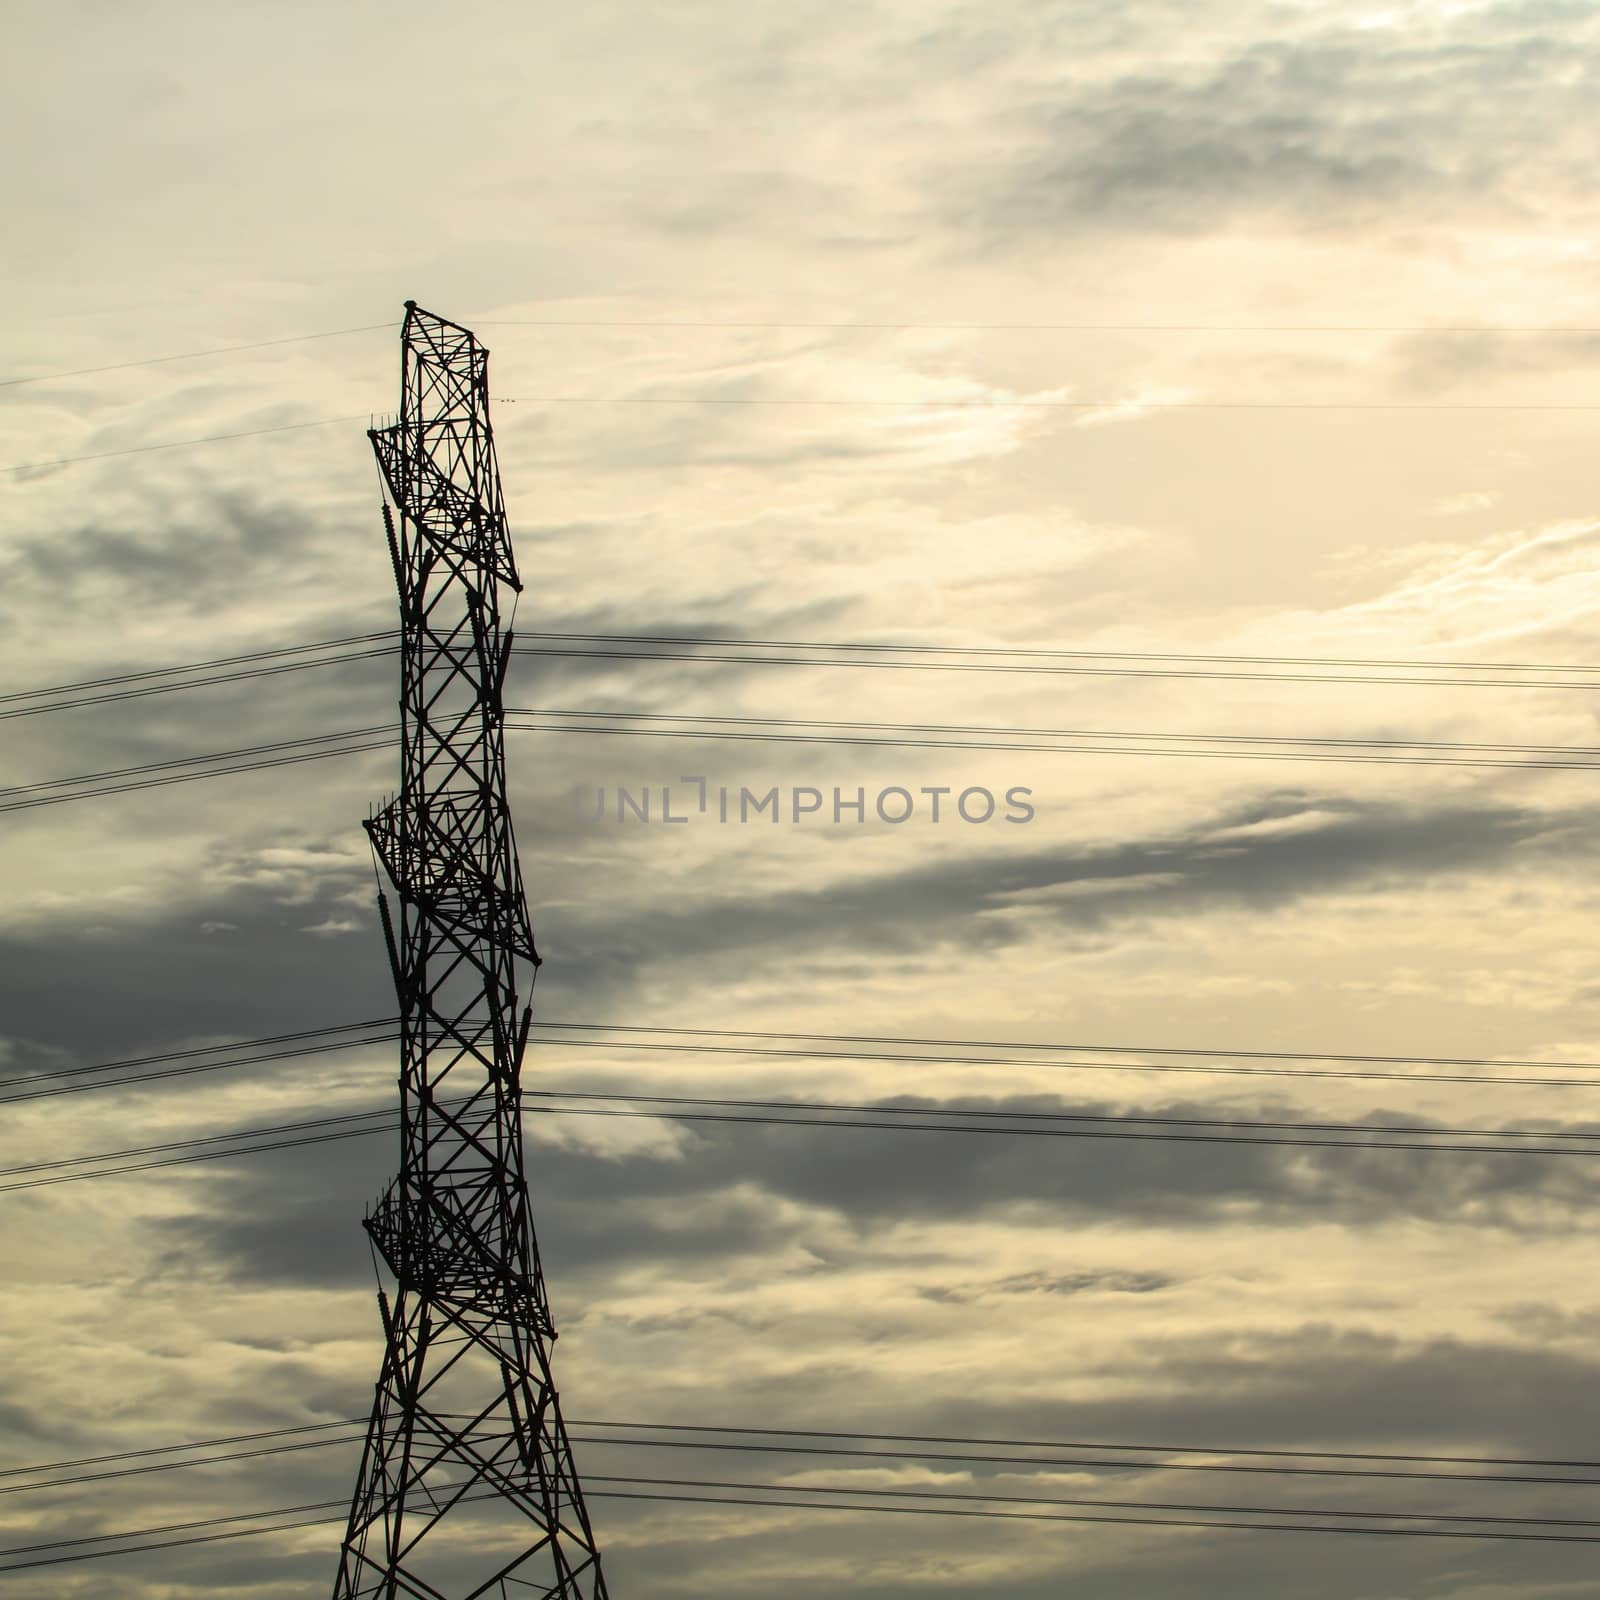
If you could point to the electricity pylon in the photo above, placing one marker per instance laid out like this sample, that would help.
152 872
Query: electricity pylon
467 1484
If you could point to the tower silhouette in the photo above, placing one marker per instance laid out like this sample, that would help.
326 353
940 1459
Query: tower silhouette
467 1485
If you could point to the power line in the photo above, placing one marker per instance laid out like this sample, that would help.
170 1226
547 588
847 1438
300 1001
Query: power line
187 1071
856 1452
1038 1516
169 1544
1109 1049
78 1479
1092 1066
1030 650
25 797
266 763
337 1120
1498 1519
180 444
245 674
186 761
820 1114
212 1049
196 1444
1121 1117
194 355
778 1497
199 666
1051 327
847 401
1204 1061
1064 1133
53 693
1070 733
206 1155
935 327
869 741
1031 670
967 1497
694 1439
1127 402
991 1443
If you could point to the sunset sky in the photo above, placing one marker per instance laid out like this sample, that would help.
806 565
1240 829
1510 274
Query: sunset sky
1205 329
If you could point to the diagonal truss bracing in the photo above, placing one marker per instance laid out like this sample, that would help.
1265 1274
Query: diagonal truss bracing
467 1485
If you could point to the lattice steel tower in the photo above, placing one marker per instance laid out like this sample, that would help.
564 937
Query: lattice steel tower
467 1485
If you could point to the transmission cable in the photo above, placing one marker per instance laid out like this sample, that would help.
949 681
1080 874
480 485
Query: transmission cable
27 797
757 734
694 1438
896 327
882 1118
1062 733
213 1049
1047 327
1031 655
1021 1044
1124 402
194 355
1066 1066
180 444
1034 669
775 1496
381 1030
843 402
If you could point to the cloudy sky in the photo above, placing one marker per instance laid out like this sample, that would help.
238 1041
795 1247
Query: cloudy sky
1218 328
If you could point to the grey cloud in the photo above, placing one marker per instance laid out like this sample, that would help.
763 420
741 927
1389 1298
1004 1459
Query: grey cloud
226 963
135 985
163 556
1048 1283
1424 363
747 1193
1335 129
1216 864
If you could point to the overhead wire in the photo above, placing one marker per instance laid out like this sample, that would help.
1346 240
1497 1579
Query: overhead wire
1124 403
244 1052
1019 1044
45 701
1048 327
986 731
779 1497
189 1444
179 444
50 698
1096 1463
29 800
191 1070
1031 650
203 1050
847 401
1036 670
246 674
693 1431
824 1114
1028 1116
765 1053
186 761
389 634
194 355
908 1126
773 730
759 733
1499 329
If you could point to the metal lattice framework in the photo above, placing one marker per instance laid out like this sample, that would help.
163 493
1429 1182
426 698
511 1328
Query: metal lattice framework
467 1484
